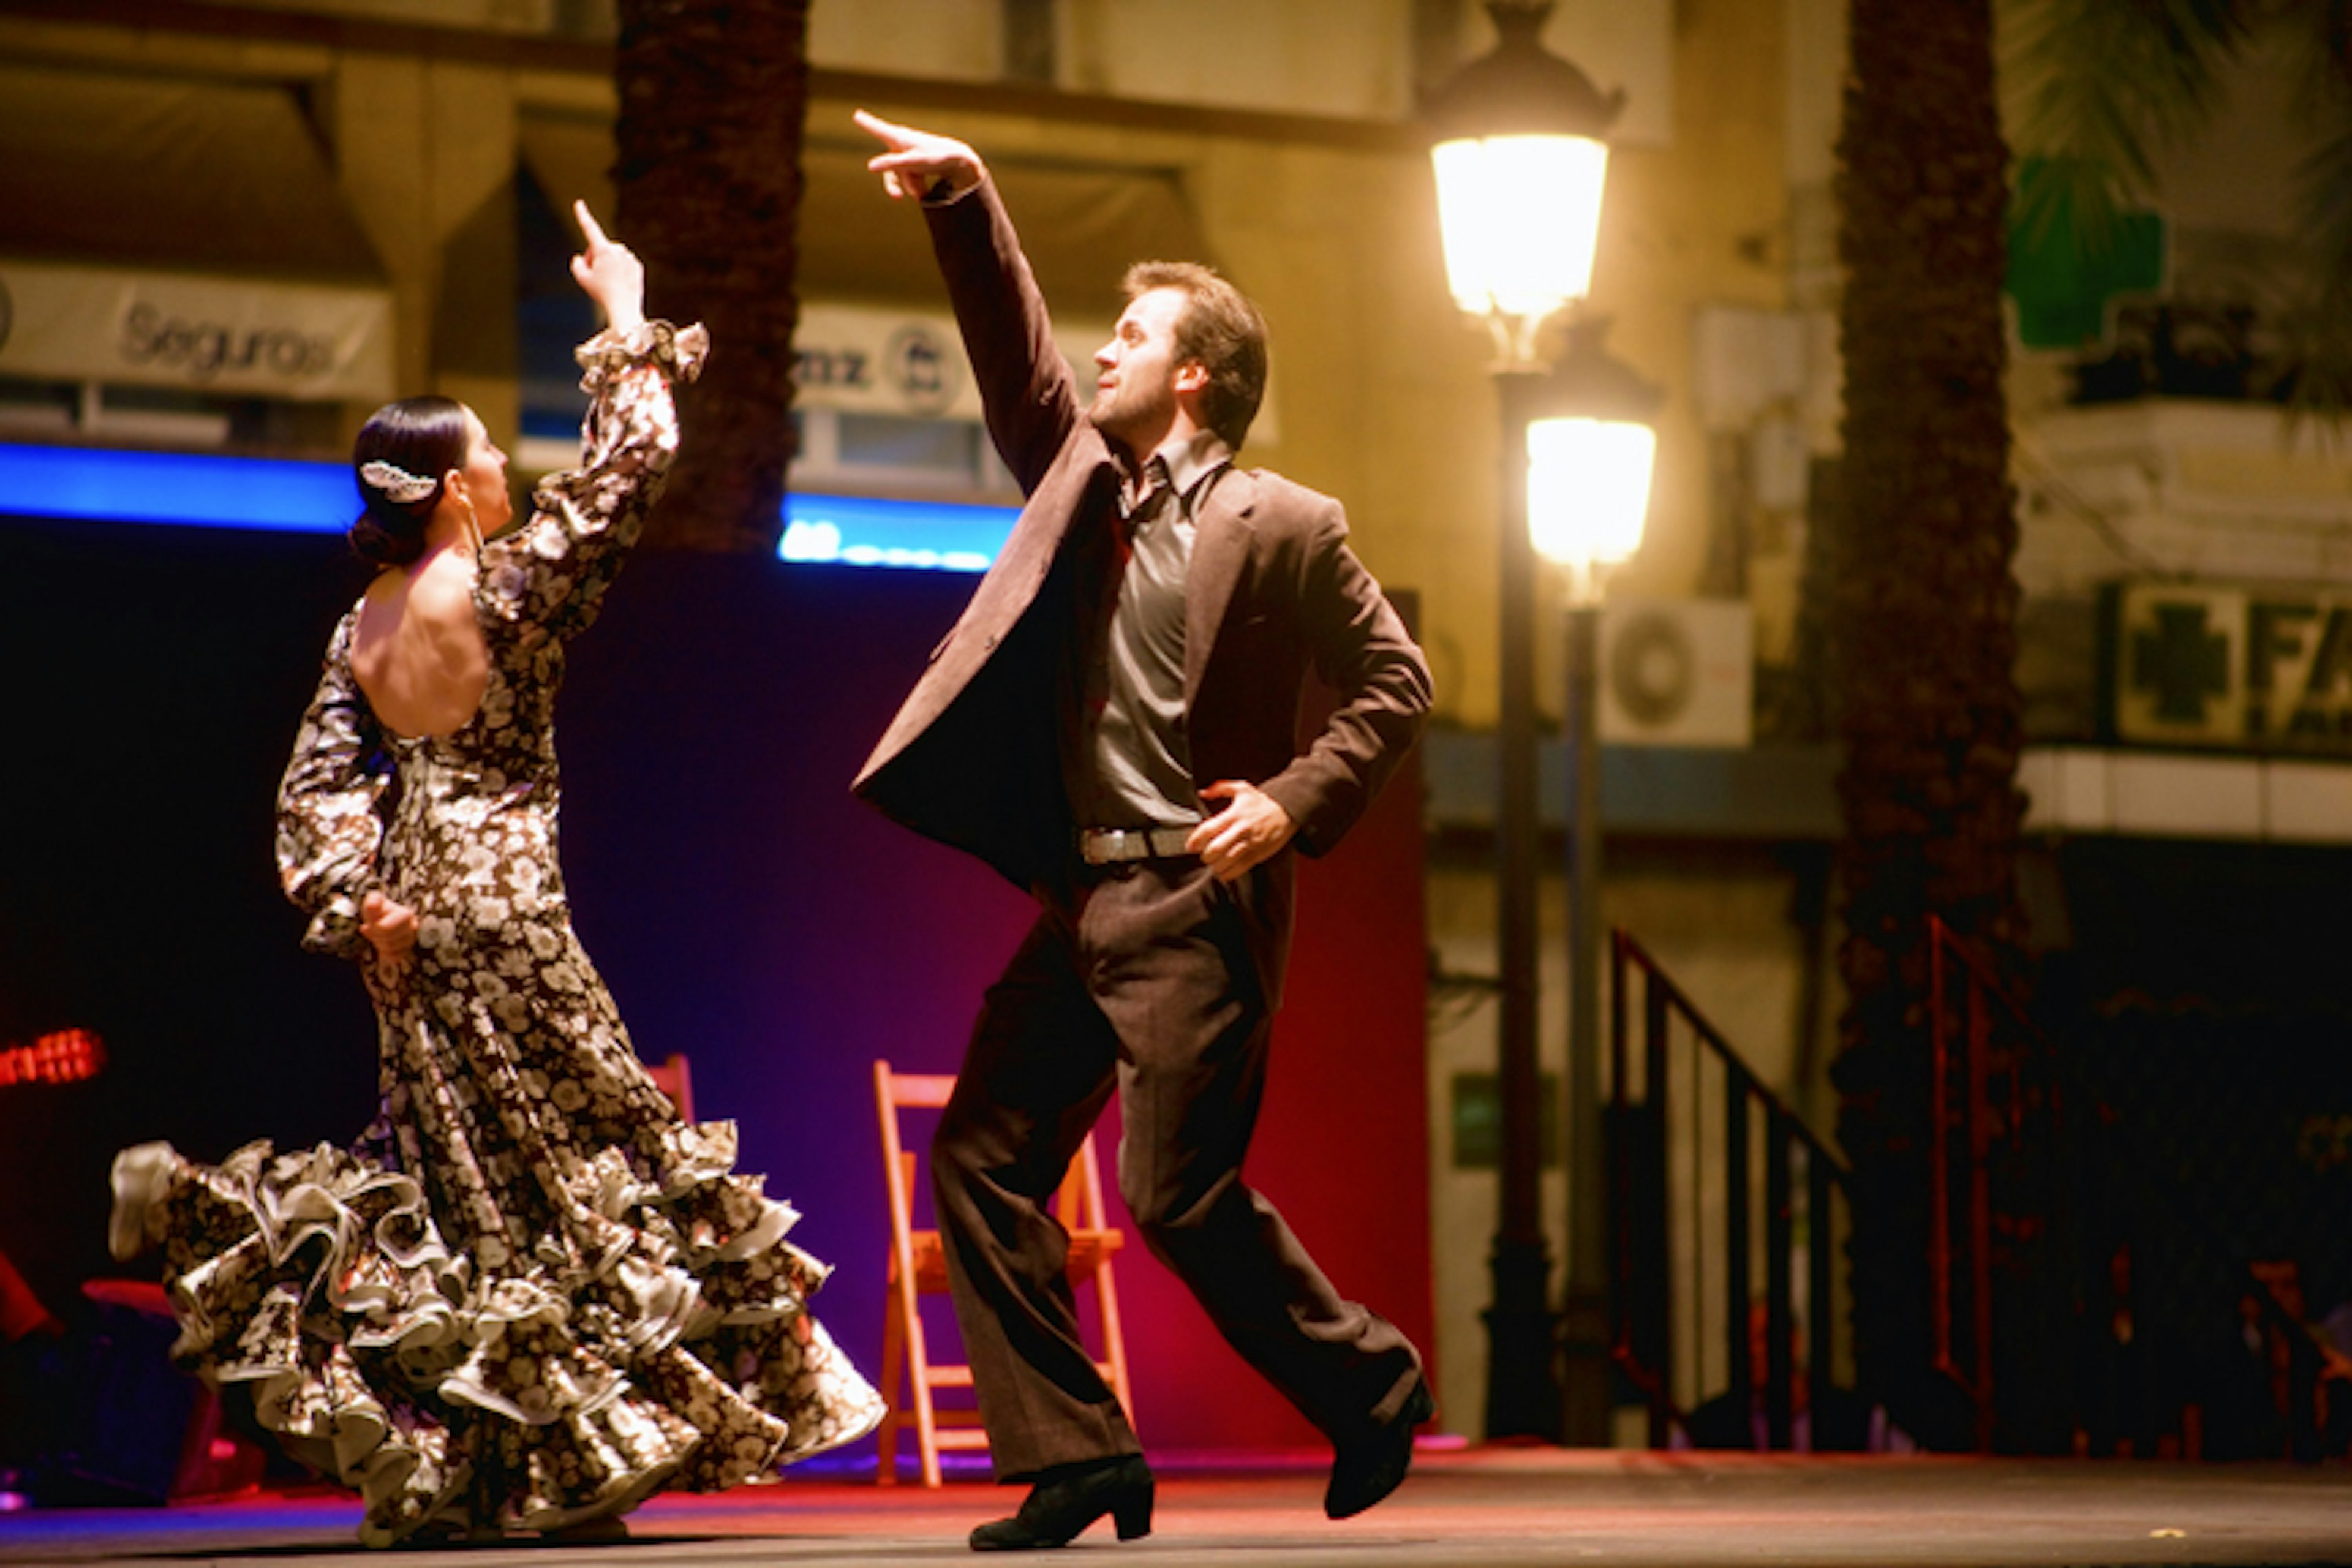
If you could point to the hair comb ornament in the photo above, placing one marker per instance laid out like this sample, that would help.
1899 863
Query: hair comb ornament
397 483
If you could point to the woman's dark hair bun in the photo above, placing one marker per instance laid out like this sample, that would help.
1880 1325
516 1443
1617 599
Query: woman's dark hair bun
419 437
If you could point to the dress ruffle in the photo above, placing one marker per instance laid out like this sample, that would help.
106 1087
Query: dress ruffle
677 1351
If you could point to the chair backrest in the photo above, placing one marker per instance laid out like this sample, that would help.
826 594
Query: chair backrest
1078 1202
918 1267
913 1090
893 1092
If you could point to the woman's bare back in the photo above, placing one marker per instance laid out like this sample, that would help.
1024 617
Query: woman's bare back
417 652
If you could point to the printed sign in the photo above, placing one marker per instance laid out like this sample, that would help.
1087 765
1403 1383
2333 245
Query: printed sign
855 359
2246 667
298 341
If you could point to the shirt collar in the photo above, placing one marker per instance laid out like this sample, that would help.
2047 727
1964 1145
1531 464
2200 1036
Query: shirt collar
1192 461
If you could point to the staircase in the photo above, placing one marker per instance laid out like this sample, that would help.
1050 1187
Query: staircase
1728 1312
2070 1310
2061 1303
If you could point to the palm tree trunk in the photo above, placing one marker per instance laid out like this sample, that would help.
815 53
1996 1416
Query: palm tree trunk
1922 617
713 96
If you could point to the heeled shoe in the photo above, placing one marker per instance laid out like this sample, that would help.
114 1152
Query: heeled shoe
1057 1511
1368 1466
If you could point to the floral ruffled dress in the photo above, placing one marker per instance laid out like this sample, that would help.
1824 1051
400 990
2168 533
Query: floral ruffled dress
529 1295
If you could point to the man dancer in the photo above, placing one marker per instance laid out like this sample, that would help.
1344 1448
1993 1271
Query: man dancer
1112 724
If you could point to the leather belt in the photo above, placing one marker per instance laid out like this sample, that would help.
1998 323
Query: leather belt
1107 845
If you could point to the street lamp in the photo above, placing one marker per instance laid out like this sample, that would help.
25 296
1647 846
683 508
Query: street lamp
1519 160
1520 155
1591 449
1588 493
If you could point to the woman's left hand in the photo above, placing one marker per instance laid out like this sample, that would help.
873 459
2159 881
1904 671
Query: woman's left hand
390 929
610 273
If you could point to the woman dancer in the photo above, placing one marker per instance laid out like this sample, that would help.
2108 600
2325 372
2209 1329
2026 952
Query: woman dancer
529 1295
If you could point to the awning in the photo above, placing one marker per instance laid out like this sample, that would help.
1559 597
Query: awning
146 174
1080 225
163 234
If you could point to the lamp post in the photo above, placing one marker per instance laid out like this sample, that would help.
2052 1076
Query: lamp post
1520 161
1590 450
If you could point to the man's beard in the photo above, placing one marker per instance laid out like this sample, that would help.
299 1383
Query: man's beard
1123 412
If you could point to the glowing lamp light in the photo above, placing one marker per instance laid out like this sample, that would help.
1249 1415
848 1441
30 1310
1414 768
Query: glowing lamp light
1510 251
1589 489
1517 145
1591 445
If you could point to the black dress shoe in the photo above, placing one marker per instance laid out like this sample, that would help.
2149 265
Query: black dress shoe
1368 1466
1058 1509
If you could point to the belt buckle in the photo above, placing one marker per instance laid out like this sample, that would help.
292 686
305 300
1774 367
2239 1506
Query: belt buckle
1113 846
1125 846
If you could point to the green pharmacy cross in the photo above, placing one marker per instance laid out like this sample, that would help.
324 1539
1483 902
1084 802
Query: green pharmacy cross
2064 276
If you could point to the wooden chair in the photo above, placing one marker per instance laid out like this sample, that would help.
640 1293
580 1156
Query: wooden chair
919 1269
671 1076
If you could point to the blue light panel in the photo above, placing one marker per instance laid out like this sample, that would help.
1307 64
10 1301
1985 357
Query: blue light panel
194 490
181 488
862 530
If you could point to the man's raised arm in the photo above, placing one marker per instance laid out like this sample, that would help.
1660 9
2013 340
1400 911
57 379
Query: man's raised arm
920 165
1025 386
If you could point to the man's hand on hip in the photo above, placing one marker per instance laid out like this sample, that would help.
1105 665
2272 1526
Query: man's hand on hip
917 161
1250 831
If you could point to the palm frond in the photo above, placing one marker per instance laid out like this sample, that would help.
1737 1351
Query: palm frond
2092 88
2319 327
2316 36
2326 179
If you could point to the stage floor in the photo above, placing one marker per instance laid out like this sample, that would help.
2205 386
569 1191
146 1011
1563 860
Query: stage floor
1491 1508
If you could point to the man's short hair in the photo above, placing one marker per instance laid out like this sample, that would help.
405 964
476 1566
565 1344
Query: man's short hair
1221 329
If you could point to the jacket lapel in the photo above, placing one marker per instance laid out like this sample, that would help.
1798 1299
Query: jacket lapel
1083 477
1222 536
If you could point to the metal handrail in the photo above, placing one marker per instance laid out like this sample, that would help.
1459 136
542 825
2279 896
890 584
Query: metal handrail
1641 1305
2303 1366
1945 948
